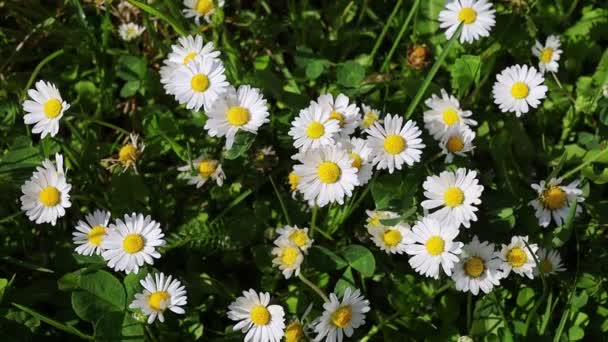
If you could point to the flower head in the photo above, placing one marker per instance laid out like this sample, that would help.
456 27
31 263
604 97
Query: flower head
476 17
518 88
90 234
262 322
554 200
45 110
160 293
341 317
548 54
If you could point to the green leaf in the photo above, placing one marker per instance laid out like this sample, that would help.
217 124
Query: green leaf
119 326
315 68
350 74
576 333
3 286
361 259
242 144
465 73
525 297
131 283
323 259
132 68
347 280
98 293
130 88
54 323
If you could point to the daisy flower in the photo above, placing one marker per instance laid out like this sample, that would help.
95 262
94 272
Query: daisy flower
395 143
205 168
431 244
374 217
297 236
47 193
198 83
518 88
445 112
548 54
160 293
295 332
131 243
554 200
476 16
458 140
391 238
345 113
128 155
341 317
456 194
549 262
261 322
370 115
478 268
130 31
359 151
516 257
313 128
288 257
201 8
89 235
243 109
293 179
326 175
45 110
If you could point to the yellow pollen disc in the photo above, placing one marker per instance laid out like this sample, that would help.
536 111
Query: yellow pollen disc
133 243
453 197
546 266
341 317
394 144
375 220
474 267
156 299
450 116
293 180
237 116
337 116
391 237
294 332
467 15
127 153
49 196
519 90
357 161
204 6
299 238
52 108
554 198
289 256
199 82
259 315
369 119
434 245
455 144
329 172
315 130
206 168
546 54
96 234
517 257
189 57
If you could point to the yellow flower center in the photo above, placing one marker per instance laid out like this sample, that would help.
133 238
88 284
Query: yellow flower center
391 237
467 15
299 238
369 119
375 220
455 144
96 234
554 198
133 243
474 267
337 116
357 160
49 196
294 332
293 180
450 116
189 57
199 82
237 116
546 54
329 172
394 144
453 197
520 90
206 168
156 299
52 108
289 256
434 245
517 257
127 153
204 6
259 315
315 130
341 317
546 266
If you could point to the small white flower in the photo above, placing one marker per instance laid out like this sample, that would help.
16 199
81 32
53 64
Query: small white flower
205 168
160 293
130 31
297 236
46 110
201 8
458 140
518 88
345 113
478 268
288 257
554 200
456 193
359 151
394 143
89 235
548 54
431 244
244 109
516 257
391 238
128 155
132 243
46 194
476 16
370 115
445 112
313 128
341 318
549 262
374 218
261 322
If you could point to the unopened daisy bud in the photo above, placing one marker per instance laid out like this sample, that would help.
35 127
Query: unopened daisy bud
202 169
554 201
130 31
418 56
198 9
45 110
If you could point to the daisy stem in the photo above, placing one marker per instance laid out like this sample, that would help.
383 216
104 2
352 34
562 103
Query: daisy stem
406 23
469 307
583 165
150 333
154 12
432 72
384 30
283 207
313 220
42 63
109 125
314 287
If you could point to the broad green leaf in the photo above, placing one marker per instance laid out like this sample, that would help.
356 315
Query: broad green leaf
576 333
131 283
242 144
119 326
361 259
525 297
350 74
130 88
465 73
3 286
315 68
347 280
98 293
